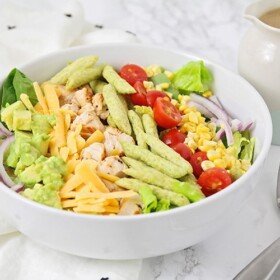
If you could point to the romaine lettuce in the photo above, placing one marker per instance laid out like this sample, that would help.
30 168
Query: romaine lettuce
193 77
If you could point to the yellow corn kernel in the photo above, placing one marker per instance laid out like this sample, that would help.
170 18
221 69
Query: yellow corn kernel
192 144
212 126
220 163
230 151
169 74
193 117
183 129
194 136
204 148
162 86
213 155
207 93
182 107
152 70
148 85
174 102
206 164
230 160
207 137
187 110
190 126
201 128
149 72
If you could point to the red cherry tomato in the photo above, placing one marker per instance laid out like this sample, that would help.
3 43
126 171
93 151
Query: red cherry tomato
213 180
166 114
182 149
173 136
152 95
139 98
196 160
133 73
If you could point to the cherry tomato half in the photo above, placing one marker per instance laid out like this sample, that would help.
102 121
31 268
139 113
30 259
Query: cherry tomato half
166 114
183 150
139 98
173 136
213 180
196 160
152 95
133 73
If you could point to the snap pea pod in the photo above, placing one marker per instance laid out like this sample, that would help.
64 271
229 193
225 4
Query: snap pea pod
84 76
188 187
134 184
81 63
141 110
110 121
168 153
97 85
138 128
150 125
121 85
115 107
153 160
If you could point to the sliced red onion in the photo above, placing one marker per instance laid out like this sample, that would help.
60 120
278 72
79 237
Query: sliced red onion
214 120
236 125
4 131
220 134
211 106
225 125
5 177
18 187
247 125
216 100
204 111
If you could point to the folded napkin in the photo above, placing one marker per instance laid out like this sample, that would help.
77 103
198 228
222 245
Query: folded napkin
32 28
21 258
29 29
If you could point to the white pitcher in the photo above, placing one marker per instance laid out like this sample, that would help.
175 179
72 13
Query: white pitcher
259 58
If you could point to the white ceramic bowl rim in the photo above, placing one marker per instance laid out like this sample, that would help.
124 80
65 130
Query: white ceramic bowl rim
227 191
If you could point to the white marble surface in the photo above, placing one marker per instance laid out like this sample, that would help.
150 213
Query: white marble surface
211 29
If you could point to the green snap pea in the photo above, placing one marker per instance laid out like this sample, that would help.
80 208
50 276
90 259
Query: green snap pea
115 108
121 85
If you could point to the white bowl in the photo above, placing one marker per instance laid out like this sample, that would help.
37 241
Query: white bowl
142 236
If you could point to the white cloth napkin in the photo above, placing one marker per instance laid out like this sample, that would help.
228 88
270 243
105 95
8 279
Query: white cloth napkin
32 28
29 29
21 258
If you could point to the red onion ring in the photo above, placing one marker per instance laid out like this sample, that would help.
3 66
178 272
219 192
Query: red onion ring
4 131
211 106
5 177
204 111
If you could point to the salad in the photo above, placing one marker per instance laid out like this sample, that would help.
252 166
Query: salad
139 139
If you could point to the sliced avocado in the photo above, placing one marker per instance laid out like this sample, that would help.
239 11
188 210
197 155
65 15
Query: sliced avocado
8 113
41 143
23 134
22 120
160 79
41 124
29 176
11 158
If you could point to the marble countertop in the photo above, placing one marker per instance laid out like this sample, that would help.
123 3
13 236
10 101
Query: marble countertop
210 29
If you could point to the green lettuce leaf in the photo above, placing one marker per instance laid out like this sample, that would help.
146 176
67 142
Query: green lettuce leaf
163 204
193 77
14 85
239 142
244 145
248 151
148 198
